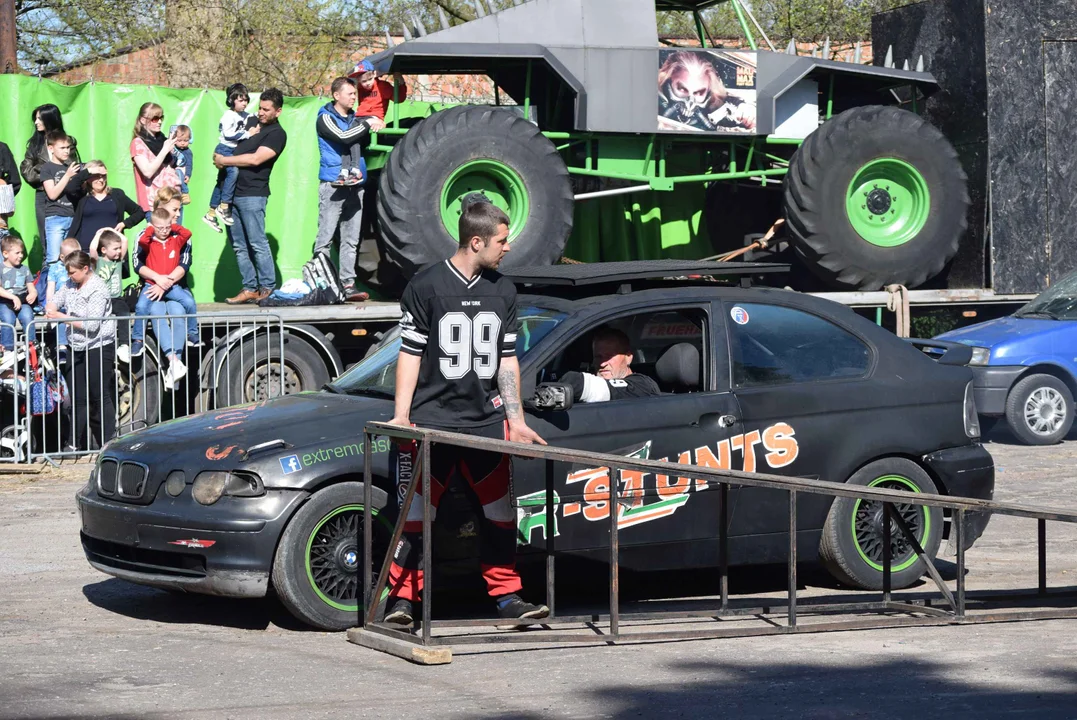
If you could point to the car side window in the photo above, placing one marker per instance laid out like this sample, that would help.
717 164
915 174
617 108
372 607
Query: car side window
651 335
775 345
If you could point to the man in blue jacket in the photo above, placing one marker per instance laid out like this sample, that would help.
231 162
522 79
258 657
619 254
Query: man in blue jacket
341 206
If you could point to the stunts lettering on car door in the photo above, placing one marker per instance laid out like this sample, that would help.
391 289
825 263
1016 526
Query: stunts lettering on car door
650 496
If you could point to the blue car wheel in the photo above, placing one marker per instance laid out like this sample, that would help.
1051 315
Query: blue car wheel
1039 409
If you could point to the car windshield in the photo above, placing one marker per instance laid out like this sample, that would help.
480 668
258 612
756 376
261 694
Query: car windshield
1058 302
376 375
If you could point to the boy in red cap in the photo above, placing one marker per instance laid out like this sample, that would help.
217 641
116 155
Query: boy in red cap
374 93
374 98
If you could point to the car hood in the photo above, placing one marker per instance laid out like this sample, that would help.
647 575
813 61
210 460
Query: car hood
299 420
1006 330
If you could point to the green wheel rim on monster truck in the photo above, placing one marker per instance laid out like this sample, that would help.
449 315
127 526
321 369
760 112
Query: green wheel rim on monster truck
496 182
875 196
334 556
888 202
446 157
867 529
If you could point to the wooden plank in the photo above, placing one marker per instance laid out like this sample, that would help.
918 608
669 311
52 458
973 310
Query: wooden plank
411 652
21 469
370 311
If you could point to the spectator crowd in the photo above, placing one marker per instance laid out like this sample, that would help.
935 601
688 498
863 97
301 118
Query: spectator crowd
82 219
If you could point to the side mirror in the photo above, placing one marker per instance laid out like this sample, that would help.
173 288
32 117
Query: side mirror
552 396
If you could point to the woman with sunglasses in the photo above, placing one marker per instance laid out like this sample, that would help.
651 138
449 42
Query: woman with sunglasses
102 207
151 153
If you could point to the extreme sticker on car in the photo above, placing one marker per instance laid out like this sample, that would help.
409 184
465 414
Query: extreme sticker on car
294 463
650 496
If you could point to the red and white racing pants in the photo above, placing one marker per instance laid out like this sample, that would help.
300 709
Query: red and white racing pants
490 476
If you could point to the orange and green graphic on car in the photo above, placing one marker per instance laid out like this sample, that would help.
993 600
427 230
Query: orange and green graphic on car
586 491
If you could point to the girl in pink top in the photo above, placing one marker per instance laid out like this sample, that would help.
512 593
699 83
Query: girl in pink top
151 153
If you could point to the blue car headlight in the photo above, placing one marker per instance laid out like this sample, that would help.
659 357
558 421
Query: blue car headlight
980 356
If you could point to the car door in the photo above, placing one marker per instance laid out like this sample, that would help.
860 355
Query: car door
802 383
686 427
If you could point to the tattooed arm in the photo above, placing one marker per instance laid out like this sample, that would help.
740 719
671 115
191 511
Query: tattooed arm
508 382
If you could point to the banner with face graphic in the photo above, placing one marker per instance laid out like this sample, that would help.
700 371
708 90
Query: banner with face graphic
706 91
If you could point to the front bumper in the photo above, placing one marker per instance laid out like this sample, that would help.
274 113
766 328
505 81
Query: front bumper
222 549
966 471
991 386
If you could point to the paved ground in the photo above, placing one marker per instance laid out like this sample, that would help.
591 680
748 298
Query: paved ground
74 643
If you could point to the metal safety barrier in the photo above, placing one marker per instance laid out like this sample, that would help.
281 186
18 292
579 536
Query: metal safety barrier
14 424
66 398
947 606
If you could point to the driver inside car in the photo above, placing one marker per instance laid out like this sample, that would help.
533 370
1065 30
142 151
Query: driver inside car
613 379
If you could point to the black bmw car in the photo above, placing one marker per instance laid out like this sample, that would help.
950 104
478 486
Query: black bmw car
269 495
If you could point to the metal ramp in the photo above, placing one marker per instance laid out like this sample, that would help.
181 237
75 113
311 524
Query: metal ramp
694 619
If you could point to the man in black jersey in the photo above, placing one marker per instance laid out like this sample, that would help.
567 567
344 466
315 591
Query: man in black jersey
457 370
614 379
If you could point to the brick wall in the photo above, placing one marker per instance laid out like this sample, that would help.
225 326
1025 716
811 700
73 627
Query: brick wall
138 67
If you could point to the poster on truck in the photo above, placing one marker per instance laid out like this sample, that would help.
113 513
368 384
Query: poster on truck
706 91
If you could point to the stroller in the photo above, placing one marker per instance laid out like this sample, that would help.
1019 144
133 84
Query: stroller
31 386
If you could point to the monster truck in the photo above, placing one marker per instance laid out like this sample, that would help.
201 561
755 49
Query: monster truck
617 149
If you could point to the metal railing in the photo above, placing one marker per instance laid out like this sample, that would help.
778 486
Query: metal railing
913 609
14 425
59 400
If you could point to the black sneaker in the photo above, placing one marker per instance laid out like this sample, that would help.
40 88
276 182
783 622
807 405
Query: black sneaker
514 607
401 613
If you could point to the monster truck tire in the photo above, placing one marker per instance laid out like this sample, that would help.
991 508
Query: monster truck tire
851 546
419 171
854 245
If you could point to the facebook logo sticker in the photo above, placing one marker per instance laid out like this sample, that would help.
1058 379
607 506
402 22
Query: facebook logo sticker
290 464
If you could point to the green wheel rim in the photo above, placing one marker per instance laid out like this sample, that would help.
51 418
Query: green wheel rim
888 202
499 183
335 581
867 535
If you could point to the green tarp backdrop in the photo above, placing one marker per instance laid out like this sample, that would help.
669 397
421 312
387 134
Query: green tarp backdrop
101 116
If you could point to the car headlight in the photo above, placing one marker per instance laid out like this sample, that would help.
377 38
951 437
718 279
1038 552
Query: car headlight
209 486
175 482
980 356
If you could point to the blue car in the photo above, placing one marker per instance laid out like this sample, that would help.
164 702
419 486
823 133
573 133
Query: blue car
1025 365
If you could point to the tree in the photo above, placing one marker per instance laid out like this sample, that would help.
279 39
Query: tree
290 44
55 32
816 20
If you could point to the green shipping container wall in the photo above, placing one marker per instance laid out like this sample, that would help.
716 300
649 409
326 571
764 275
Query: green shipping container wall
101 116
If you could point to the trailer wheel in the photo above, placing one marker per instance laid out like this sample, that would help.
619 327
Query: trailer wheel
876 196
851 548
1039 410
318 568
138 398
253 370
458 153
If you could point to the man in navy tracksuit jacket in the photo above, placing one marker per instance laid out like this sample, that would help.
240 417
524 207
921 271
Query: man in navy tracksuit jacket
340 206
